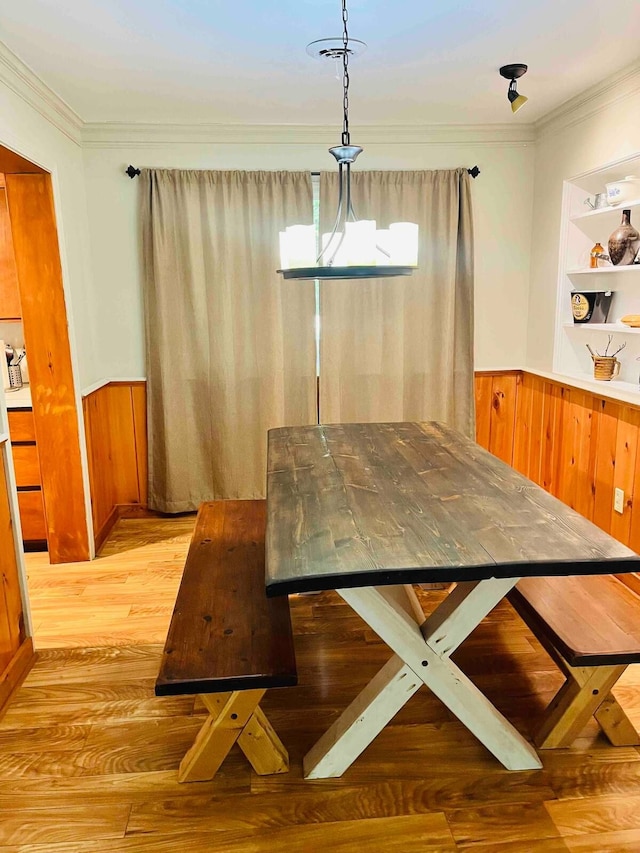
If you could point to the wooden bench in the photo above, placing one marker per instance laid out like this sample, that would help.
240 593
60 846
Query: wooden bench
590 625
228 642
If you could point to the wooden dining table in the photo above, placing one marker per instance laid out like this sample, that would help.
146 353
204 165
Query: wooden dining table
371 509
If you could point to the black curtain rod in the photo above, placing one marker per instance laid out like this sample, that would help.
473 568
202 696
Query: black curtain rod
133 172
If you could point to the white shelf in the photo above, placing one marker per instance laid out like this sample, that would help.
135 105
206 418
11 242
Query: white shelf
603 327
606 270
610 211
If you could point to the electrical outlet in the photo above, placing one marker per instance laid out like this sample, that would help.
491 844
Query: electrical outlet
618 501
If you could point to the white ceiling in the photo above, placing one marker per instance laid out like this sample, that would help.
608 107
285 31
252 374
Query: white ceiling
428 61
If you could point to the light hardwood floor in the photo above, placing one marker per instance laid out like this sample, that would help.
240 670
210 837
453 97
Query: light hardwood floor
88 754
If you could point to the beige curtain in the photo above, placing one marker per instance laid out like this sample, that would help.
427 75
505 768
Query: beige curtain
402 348
229 344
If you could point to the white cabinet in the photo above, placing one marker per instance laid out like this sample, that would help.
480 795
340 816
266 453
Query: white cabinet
582 227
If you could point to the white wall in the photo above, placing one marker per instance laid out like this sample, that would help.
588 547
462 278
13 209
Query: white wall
25 130
502 197
602 129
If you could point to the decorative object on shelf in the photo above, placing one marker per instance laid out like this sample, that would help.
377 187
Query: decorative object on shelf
631 320
353 249
595 256
599 201
624 242
624 190
591 306
514 72
606 367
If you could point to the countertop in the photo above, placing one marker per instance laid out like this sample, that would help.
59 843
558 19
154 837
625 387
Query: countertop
18 399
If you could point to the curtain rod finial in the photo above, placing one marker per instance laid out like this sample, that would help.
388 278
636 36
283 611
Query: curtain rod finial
132 171
474 171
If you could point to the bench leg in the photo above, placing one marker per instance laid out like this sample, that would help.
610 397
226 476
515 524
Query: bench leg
615 724
262 746
219 733
233 717
580 697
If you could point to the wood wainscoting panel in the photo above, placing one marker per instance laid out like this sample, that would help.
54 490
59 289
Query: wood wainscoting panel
496 396
115 425
608 413
37 255
139 399
575 444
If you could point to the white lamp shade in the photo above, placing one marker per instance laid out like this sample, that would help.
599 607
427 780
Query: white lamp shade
360 243
404 244
298 246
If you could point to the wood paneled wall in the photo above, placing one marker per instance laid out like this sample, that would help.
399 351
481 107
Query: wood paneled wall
116 426
577 445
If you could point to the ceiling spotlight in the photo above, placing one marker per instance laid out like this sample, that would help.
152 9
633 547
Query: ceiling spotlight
514 72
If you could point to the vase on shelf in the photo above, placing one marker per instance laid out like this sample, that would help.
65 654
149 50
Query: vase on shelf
624 242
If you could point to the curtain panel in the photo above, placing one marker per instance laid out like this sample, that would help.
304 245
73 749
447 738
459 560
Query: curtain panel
401 349
229 345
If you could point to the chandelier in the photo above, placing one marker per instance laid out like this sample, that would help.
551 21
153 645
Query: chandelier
354 248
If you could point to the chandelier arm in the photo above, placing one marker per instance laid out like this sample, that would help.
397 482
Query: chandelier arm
336 224
350 211
337 248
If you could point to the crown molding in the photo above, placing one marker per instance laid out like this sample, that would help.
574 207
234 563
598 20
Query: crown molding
18 77
613 89
140 135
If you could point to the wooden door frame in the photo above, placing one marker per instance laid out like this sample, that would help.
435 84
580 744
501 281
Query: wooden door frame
31 198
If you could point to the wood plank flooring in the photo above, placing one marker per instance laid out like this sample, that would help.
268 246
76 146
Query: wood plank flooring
88 754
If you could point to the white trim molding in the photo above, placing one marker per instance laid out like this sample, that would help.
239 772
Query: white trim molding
22 80
143 135
613 89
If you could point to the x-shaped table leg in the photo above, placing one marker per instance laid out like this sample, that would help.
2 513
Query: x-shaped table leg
422 655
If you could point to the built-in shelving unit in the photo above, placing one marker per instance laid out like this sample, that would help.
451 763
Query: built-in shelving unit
581 229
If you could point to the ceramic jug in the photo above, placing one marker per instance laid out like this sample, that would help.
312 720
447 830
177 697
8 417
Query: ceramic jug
623 243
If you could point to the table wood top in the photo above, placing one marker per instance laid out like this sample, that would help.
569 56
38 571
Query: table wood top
353 505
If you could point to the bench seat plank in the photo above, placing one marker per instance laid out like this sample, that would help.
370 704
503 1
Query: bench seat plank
592 620
225 634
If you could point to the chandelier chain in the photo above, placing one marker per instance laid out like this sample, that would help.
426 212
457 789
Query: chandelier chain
346 139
